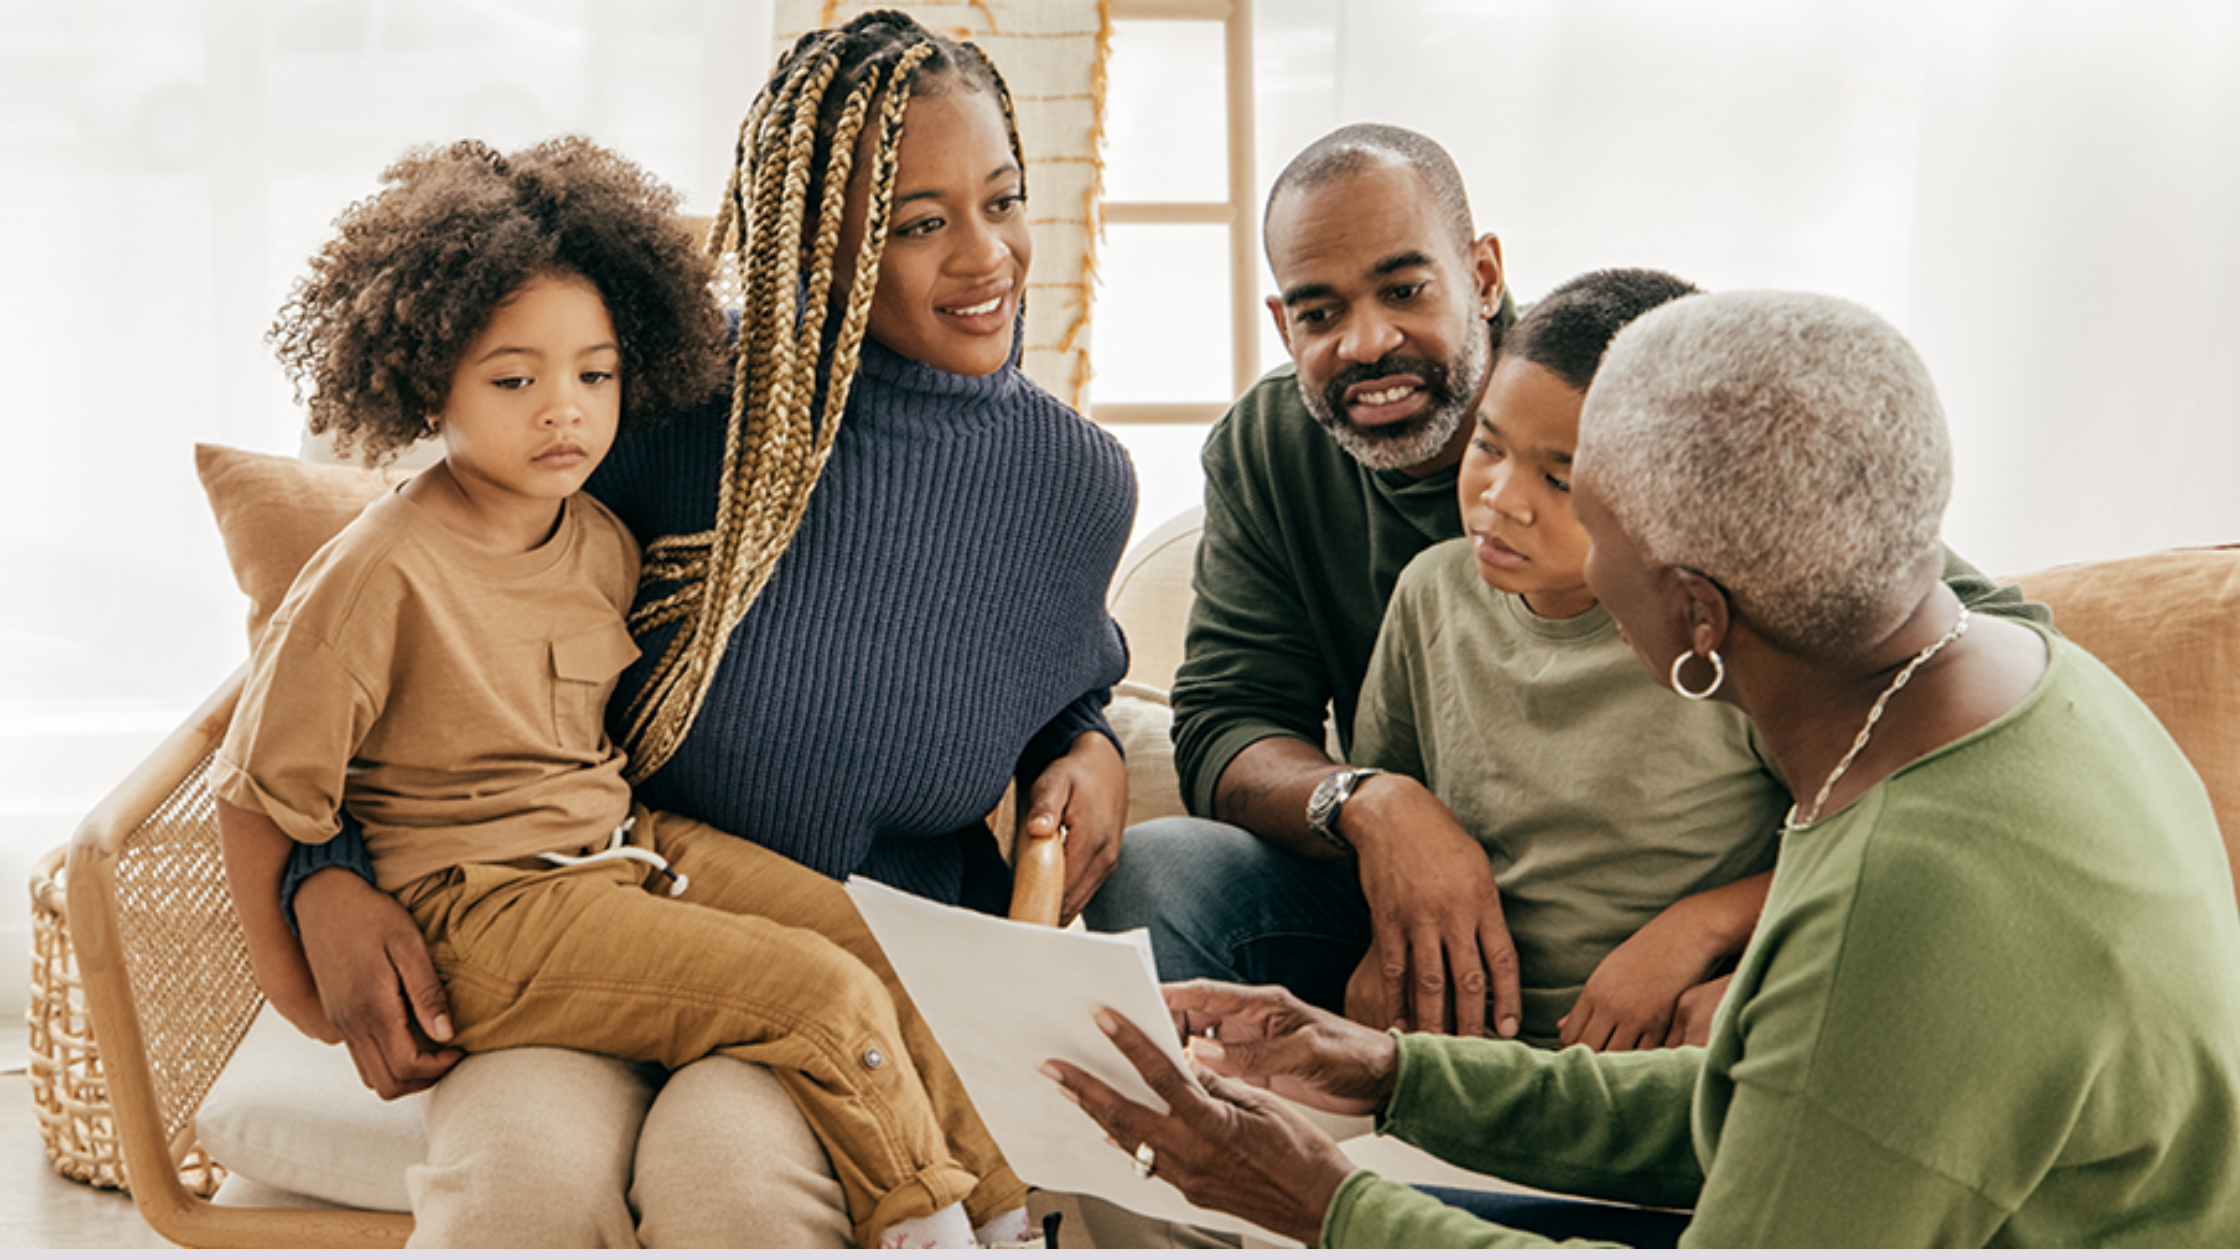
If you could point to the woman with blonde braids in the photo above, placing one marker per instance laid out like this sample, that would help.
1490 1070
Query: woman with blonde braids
851 676
874 594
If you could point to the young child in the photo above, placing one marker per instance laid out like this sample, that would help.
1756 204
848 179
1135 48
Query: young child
1631 833
442 668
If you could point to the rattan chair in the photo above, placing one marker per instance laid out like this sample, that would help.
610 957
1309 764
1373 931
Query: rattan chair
166 977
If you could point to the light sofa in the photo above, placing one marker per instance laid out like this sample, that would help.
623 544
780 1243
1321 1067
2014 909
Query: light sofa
176 1012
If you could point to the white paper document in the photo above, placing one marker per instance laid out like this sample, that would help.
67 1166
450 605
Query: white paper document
1002 997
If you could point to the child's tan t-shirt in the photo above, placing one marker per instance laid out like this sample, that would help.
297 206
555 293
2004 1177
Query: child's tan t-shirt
452 696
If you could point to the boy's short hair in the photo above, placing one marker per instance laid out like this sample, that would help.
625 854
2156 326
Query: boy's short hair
374 332
1567 331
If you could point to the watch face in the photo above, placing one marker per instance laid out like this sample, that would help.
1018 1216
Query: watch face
1324 802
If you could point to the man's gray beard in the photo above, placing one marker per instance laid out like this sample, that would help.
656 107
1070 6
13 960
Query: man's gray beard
1417 441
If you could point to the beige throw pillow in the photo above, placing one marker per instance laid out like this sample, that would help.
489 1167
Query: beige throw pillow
2168 624
274 511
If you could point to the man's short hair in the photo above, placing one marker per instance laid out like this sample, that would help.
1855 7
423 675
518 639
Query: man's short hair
1568 331
1361 147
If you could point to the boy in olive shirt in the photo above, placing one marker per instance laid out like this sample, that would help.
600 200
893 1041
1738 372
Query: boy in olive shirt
1631 832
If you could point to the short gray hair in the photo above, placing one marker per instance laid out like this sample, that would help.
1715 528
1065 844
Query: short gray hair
1788 446
1360 147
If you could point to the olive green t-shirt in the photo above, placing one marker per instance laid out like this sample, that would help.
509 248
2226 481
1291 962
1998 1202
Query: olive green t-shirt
1600 795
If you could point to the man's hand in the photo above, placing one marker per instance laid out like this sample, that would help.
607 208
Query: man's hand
1225 1146
376 982
1086 792
1441 943
1271 1040
1368 1002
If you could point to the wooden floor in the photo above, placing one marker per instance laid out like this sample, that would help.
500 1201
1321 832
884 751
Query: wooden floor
39 1207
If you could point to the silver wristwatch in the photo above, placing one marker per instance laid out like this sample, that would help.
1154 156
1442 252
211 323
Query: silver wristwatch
1329 797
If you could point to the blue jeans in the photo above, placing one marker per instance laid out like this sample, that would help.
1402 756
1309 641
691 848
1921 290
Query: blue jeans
1222 904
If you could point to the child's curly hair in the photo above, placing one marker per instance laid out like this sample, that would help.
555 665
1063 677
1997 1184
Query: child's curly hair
376 329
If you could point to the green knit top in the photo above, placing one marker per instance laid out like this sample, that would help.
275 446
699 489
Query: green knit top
1995 1000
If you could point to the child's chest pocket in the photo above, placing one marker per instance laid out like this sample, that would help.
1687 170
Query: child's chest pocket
585 664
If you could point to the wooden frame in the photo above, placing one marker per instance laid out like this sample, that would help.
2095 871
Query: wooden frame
167 984
1238 212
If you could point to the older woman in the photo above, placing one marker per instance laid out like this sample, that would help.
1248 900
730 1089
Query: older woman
1995 995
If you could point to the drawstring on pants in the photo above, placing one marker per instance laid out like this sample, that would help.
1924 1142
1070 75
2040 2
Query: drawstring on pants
618 847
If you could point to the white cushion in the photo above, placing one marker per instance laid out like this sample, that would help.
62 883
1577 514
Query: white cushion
1151 596
1145 725
291 1115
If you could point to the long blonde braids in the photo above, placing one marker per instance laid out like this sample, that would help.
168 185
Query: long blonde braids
791 381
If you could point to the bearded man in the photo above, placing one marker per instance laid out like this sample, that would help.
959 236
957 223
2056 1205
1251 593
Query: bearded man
1322 483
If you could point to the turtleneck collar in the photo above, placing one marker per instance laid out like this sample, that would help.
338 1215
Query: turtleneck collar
893 393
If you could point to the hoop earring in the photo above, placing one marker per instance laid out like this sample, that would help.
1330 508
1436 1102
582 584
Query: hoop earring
1718 674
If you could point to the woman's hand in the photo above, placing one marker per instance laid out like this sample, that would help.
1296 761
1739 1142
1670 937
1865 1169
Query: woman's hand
379 988
1086 792
1270 1039
1226 1146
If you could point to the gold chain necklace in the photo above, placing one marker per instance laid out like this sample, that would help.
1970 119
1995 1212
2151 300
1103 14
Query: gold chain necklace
1874 715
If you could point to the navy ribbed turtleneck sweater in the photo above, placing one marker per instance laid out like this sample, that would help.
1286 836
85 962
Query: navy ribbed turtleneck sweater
938 624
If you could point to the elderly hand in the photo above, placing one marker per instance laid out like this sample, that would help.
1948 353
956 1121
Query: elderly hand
1270 1039
1226 1146
1086 792
379 988
1441 941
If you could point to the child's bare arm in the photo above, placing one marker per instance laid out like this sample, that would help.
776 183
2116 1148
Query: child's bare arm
256 852
1629 1001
